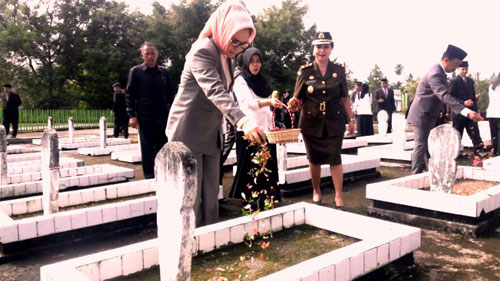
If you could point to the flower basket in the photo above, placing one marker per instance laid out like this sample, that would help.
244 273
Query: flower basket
283 135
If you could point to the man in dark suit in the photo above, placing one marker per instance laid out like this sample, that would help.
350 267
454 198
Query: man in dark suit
462 88
11 102
149 96
119 111
431 93
385 101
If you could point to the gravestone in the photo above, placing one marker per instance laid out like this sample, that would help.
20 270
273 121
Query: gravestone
3 156
176 188
102 131
444 147
71 130
399 132
50 171
49 123
382 118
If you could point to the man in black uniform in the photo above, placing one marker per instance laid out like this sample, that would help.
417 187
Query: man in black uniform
11 102
149 96
385 101
462 88
119 111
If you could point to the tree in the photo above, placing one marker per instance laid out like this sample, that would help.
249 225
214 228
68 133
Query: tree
398 70
374 78
284 41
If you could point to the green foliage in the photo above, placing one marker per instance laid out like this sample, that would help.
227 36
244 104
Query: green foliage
284 41
481 86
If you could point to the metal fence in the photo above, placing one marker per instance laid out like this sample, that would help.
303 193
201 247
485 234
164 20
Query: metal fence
35 120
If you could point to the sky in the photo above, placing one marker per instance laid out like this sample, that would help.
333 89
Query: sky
389 32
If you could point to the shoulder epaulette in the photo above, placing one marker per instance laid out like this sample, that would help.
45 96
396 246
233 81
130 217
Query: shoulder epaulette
302 67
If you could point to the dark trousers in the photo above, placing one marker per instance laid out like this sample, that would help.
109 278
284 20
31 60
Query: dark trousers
420 156
121 126
495 134
8 120
461 122
389 122
228 142
153 139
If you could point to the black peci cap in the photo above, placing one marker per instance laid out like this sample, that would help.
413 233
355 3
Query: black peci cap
358 83
464 64
384 80
7 85
454 52
322 38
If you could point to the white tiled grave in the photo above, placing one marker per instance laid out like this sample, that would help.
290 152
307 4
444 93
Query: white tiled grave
31 183
484 132
18 230
298 169
21 167
99 151
300 148
17 149
82 142
380 139
408 191
492 163
389 151
131 156
381 242
231 158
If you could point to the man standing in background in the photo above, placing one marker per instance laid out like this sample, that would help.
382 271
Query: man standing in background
11 102
462 88
119 111
385 101
149 96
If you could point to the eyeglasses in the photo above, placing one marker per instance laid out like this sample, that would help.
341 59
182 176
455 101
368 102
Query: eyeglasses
237 43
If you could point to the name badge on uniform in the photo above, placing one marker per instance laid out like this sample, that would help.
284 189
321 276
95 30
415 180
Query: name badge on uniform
310 82
310 89
334 75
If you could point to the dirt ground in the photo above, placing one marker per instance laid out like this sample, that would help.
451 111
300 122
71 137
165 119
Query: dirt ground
443 256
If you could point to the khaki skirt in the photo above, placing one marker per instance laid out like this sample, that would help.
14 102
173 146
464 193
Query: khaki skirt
324 150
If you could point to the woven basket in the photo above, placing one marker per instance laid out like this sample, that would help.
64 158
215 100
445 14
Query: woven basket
285 135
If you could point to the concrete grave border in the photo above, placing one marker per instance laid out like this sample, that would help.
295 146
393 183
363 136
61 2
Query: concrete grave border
381 242
402 200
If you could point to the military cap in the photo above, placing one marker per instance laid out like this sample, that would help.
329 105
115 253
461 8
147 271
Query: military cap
358 83
322 38
454 52
384 80
464 64
7 85
116 84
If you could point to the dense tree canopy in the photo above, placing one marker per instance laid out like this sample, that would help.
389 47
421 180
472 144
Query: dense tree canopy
67 53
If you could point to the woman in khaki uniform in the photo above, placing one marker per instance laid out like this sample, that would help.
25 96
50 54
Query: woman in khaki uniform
322 89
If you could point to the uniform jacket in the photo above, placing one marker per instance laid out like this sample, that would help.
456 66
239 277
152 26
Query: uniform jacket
463 90
149 94
196 114
388 104
11 105
321 99
431 93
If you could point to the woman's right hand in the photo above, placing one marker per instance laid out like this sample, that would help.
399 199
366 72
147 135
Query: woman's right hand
275 103
253 133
